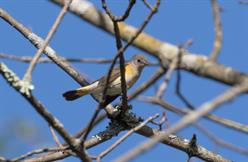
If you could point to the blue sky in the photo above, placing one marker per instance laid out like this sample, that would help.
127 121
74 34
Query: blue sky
176 22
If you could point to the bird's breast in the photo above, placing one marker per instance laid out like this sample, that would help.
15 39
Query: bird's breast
131 75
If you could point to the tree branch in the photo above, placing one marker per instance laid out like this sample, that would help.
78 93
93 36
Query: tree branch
27 77
16 83
225 122
130 132
186 120
218 31
195 63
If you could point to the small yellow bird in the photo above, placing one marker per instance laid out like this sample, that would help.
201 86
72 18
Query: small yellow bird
133 70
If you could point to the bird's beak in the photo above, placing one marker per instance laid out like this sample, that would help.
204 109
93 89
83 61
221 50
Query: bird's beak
147 62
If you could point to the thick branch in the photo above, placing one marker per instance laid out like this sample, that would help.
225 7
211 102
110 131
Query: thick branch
195 63
144 131
37 42
16 83
186 120
171 140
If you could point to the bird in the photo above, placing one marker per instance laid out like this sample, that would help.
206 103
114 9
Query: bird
133 70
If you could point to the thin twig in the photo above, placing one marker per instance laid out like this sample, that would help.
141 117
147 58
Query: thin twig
38 42
186 120
27 59
121 50
147 5
119 45
65 145
16 83
162 121
146 131
118 18
122 66
172 140
218 30
98 120
178 78
103 101
180 111
130 132
139 90
90 124
38 151
221 142
27 76
56 139
191 62
168 75
224 122
179 93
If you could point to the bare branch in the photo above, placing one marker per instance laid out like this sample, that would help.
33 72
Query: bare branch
162 121
147 5
241 78
118 18
225 122
119 46
15 82
39 151
218 31
186 120
130 132
178 80
172 140
164 84
27 76
119 53
122 66
178 90
220 142
56 139
98 120
195 63
27 59
64 148
47 60
37 42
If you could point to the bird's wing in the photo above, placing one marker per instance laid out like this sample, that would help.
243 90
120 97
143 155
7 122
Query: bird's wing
113 76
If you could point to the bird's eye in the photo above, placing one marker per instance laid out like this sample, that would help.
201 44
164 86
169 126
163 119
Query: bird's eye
138 60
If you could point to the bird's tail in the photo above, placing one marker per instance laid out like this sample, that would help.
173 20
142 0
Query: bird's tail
75 94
